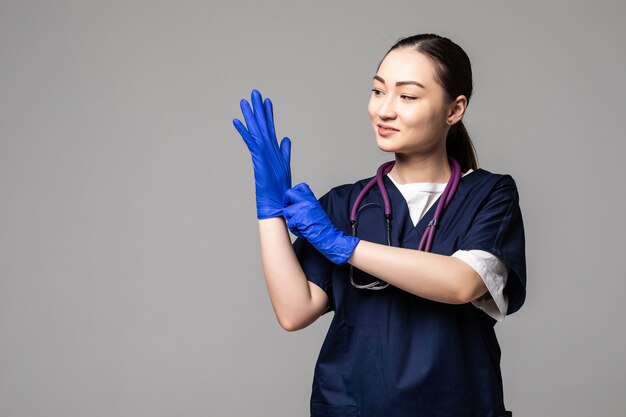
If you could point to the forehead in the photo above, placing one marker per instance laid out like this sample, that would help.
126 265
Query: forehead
407 65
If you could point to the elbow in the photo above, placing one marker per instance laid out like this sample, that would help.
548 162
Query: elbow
463 296
467 286
469 292
292 323
289 324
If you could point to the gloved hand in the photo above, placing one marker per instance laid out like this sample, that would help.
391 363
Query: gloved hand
272 173
306 218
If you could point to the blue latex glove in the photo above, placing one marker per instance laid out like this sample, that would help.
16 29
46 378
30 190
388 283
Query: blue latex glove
272 173
306 218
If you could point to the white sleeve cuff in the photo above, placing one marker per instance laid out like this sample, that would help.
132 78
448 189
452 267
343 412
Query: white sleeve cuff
494 274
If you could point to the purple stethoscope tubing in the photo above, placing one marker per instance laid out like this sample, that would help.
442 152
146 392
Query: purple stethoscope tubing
428 236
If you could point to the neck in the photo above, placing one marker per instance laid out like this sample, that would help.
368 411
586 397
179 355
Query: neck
421 169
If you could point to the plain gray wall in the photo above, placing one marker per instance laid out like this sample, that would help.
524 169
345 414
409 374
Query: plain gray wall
130 279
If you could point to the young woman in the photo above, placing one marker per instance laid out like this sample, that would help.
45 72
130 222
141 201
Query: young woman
417 263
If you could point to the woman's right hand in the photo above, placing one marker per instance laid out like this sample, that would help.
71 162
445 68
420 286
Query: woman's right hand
296 301
271 162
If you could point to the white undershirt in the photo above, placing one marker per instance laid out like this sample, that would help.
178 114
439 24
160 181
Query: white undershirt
420 196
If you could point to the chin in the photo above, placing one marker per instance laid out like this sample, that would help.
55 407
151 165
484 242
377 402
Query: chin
386 145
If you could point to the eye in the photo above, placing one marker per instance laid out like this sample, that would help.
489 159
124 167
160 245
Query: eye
376 92
408 98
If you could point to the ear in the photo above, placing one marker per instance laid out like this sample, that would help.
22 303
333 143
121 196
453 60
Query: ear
457 110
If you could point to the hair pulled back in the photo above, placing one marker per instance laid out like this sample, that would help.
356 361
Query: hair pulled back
453 72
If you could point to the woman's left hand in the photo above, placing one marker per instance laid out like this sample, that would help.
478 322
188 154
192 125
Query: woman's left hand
307 219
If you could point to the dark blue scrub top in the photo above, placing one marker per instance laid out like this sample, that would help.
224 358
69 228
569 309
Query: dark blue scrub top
390 353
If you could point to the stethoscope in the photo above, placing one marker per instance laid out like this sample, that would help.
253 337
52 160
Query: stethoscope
428 236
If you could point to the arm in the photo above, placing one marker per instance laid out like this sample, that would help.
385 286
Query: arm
436 277
296 301
494 273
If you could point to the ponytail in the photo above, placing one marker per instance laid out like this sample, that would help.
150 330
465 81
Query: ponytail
460 147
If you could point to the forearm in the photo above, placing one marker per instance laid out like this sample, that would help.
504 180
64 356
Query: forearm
436 277
296 302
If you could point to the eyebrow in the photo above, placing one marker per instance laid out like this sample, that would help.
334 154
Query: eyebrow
382 80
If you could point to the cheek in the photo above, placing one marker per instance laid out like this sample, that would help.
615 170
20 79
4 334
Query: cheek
423 118
415 119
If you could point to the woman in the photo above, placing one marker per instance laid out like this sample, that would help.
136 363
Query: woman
412 332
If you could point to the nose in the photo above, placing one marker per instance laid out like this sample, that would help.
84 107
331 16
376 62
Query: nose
386 109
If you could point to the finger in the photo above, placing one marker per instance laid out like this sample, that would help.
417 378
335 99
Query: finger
285 150
243 132
291 196
248 116
259 112
269 117
292 225
303 188
297 194
292 213
288 212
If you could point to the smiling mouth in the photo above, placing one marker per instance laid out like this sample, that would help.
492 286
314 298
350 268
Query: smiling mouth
385 131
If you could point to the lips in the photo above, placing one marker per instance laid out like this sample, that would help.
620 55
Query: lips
385 131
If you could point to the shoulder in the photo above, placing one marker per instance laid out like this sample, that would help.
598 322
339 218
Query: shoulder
482 177
490 203
483 184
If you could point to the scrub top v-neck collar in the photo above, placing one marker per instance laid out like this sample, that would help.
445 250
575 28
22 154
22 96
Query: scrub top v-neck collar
409 233
419 196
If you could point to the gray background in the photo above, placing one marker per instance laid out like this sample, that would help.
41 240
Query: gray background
130 279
